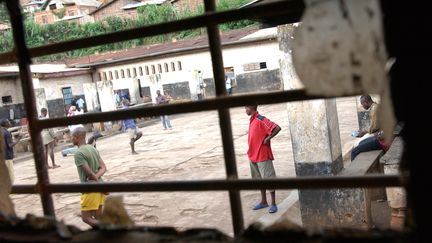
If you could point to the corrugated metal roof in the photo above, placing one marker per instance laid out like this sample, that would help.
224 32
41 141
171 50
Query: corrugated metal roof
231 37
41 68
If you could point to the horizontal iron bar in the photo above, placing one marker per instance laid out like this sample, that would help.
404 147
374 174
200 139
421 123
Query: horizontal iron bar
186 107
290 7
318 182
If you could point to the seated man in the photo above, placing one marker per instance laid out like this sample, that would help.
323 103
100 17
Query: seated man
373 139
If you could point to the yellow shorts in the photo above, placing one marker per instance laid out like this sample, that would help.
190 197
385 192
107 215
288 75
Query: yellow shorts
92 201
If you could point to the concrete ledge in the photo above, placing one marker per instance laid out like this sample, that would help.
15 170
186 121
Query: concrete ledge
268 219
363 163
355 207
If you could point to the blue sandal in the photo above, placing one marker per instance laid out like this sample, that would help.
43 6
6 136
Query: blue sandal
260 206
273 209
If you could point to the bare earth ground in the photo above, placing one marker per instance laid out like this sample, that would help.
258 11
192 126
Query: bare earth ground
192 151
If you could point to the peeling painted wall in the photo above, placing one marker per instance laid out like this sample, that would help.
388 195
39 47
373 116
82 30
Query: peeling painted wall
106 95
177 91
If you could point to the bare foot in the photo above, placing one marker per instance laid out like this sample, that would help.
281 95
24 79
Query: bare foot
134 153
49 167
55 166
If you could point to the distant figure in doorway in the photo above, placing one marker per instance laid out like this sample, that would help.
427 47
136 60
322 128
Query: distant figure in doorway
130 126
117 98
201 87
228 84
80 104
48 138
372 138
8 145
261 131
90 168
160 100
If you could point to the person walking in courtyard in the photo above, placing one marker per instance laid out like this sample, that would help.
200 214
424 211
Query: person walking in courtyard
130 126
261 131
8 145
90 168
160 100
48 138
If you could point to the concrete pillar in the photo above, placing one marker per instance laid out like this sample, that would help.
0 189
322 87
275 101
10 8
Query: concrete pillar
134 91
40 100
91 96
106 95
316 142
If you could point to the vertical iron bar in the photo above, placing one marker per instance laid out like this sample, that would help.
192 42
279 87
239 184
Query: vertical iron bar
30 104
224 119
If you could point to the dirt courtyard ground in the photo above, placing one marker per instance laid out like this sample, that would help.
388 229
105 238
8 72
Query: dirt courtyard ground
191 151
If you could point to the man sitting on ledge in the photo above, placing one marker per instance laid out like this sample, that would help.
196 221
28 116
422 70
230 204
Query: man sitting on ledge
373 139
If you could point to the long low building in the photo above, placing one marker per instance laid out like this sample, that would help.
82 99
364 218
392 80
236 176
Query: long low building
250 56
55 85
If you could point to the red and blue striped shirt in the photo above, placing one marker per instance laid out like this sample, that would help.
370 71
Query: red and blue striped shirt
259 128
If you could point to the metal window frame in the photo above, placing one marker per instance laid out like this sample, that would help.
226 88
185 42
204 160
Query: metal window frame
210 19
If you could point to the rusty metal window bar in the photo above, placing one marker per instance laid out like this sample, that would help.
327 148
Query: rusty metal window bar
22 55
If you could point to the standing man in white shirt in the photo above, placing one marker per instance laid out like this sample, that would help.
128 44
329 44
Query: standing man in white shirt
228 85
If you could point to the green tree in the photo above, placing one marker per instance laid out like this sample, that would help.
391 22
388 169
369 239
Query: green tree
4 14
37 35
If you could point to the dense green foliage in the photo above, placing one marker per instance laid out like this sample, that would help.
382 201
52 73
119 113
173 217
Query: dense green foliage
37 35
4 16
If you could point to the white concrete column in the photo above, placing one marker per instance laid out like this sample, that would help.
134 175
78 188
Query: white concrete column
315 139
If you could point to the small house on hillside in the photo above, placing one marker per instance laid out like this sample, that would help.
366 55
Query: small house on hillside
121 8
63 10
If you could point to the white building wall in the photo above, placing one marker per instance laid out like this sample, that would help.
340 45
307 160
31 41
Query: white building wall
13 88
233 56
53 86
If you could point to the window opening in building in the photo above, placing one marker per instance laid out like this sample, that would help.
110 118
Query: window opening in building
67 96
153 69
122 73
254 66
128 73
105 76
7 99
110 75
134 72
45 19
147 70
172 67
179 65
160 68
166 67
116 74
140 71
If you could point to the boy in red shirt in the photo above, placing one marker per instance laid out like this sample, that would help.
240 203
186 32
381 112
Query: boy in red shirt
261 130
